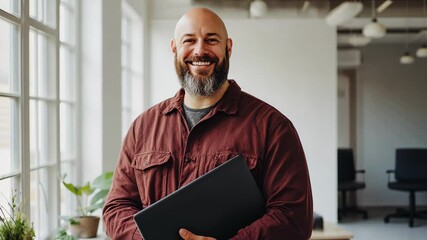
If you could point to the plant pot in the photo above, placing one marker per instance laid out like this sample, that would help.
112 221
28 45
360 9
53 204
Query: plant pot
86 227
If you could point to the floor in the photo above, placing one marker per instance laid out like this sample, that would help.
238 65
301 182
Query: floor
374 227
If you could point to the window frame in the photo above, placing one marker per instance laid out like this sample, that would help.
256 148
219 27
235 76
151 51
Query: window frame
132 65
20 116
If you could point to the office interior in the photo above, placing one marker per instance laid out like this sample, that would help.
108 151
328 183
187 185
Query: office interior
337 95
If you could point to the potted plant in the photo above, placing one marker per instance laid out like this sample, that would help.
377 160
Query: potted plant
90 197
14 224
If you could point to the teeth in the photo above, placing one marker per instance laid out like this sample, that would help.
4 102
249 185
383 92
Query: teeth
201 63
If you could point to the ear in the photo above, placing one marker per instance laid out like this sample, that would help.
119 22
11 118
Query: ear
229 46
173 45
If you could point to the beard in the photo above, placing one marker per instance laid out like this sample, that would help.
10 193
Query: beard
202 84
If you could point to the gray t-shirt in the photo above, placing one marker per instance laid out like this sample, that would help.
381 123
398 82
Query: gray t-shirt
193 116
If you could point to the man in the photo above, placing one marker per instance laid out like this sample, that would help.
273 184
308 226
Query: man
208 121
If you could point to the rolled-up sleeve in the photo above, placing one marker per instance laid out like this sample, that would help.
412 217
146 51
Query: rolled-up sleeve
286 188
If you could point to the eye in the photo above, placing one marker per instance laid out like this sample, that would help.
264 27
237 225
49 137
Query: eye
188 41
212 40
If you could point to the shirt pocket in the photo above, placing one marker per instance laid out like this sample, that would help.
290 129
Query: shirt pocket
151 174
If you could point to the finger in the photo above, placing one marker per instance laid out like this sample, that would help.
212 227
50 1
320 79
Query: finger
187 235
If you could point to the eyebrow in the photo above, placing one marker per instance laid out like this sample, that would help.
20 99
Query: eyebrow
213 34
208 34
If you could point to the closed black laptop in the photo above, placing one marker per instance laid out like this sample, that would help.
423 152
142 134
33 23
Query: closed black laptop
216 204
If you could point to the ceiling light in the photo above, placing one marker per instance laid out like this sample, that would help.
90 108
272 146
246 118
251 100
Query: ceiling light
422 51
358 40
374 29
258 8
384 6
406 58
343 12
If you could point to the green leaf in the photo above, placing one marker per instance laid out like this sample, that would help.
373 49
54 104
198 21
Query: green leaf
94 207
13 223
103 181
97 191
63 235
73 221
72 188
87 189
100 195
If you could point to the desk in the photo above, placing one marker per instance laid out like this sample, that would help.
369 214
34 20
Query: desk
331 232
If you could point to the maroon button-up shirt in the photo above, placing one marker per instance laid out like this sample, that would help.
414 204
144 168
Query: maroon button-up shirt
160 154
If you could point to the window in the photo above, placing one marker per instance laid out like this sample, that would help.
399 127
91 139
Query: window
68 100
11 6
10 100
38 106
132 78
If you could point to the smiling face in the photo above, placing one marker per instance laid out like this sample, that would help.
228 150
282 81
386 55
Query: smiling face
202 50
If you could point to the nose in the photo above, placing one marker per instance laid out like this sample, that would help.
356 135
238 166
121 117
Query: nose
200 49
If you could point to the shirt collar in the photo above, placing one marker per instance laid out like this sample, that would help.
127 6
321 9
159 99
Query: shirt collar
227 104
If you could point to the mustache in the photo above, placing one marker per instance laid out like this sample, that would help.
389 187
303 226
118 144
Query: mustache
202 59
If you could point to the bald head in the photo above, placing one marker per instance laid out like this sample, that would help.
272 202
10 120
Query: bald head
200 19
202 50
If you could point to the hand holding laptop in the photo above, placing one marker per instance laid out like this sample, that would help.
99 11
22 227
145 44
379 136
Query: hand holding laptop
216 205
187 235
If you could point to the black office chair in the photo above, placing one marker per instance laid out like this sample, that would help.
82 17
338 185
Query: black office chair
347 182
410 175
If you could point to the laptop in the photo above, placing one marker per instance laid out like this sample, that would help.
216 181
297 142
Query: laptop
216 204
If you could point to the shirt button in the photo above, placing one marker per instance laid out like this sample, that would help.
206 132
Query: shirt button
187 160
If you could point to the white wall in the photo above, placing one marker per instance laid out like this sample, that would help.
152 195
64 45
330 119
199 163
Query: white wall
290 64
163 80
100 87
91 91
343 111
392 113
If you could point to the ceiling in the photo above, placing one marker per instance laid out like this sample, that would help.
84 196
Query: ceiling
397 9
404 19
